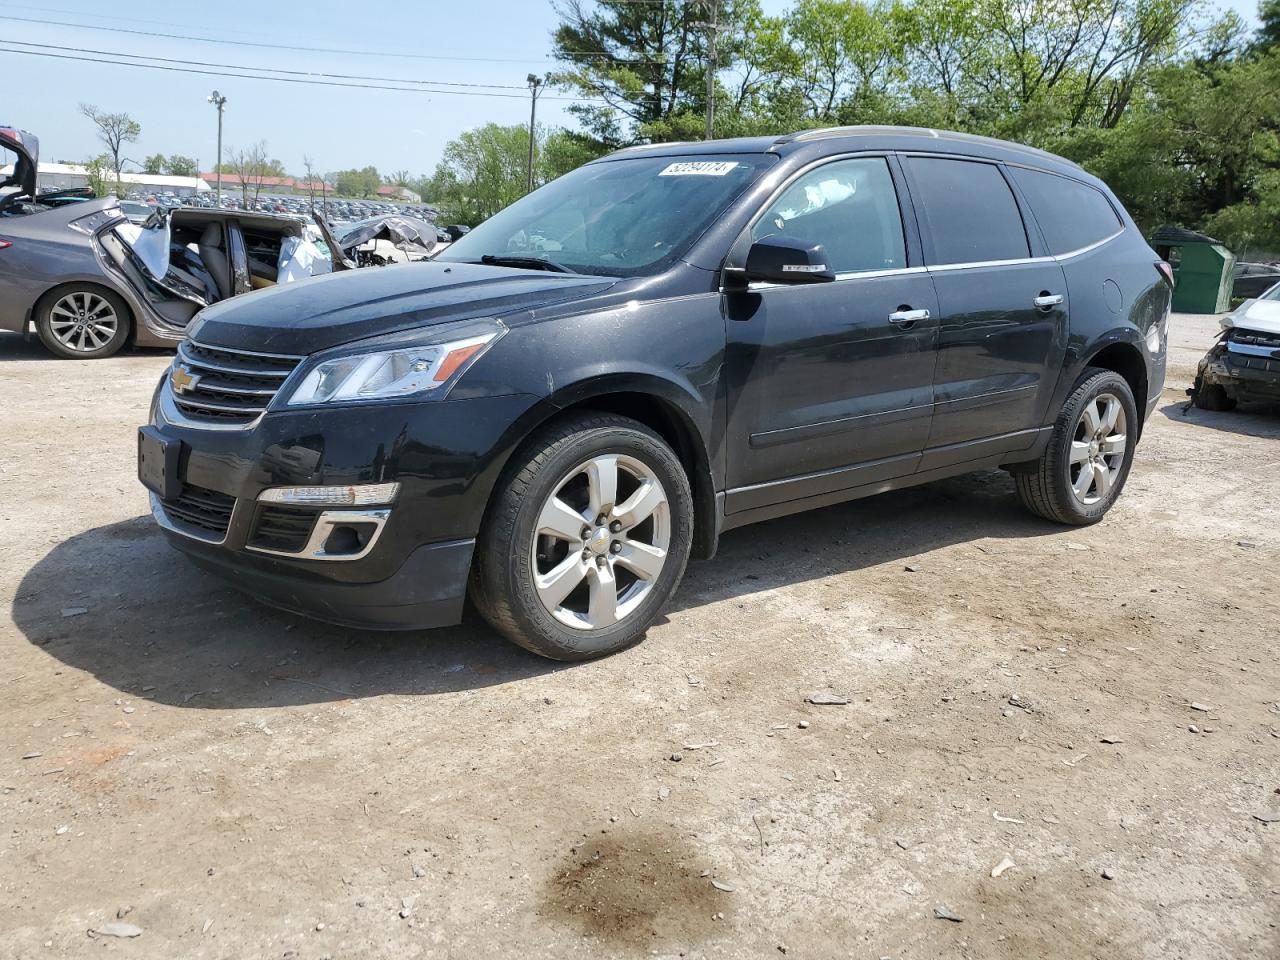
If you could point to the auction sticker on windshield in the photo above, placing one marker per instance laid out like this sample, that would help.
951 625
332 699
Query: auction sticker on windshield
699 168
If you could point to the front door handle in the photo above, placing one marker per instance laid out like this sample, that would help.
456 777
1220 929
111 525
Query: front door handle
905 318
1047 300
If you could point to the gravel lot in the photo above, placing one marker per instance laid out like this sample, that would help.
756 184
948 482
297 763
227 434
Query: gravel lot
1099 706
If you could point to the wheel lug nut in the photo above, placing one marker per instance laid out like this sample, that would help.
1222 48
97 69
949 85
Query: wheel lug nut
616 547
615 526
600 520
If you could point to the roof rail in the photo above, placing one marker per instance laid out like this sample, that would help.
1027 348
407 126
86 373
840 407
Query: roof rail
822 133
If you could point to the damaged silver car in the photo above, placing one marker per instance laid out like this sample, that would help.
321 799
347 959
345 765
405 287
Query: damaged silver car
1244 365
89 280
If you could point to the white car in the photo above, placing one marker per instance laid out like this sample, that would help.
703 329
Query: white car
1244 365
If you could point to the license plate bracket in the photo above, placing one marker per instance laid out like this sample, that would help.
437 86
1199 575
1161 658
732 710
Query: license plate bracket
158 459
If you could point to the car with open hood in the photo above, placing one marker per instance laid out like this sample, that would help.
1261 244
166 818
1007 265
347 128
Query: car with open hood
1244 364
90 277
553 415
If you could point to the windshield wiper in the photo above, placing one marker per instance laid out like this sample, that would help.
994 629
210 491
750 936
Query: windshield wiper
528 263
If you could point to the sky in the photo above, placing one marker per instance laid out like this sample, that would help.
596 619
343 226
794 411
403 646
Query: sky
496 42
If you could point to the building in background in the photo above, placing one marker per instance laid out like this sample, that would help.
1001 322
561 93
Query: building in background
62 176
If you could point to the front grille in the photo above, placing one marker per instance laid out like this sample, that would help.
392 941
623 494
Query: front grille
206 513
284 529
230 386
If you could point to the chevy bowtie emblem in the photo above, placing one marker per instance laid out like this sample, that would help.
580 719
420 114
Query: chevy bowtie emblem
182 380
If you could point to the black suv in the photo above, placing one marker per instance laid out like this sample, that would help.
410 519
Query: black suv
667 343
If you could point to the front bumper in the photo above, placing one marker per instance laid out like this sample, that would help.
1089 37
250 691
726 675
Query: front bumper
444 454
1245 375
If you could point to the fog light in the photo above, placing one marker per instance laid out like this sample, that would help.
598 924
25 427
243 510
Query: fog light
358 495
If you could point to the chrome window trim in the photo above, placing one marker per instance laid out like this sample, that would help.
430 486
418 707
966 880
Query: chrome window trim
1092 246
325 521
840 278
974 264
161 518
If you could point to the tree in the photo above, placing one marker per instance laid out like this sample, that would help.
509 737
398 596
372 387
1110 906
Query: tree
309 167
249 165
481 172
179 166
361 183
643 64
114 130
102 178
154 163
1269 20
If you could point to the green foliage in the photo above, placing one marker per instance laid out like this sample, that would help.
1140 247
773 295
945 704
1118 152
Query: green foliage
179 166
362 183
153 163
102 175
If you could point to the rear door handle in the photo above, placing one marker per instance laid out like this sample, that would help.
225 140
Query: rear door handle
1047 300
905 318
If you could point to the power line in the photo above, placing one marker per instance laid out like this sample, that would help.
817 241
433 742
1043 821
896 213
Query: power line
286 46
297 80
234 66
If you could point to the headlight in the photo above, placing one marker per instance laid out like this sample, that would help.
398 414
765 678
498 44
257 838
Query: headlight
421 371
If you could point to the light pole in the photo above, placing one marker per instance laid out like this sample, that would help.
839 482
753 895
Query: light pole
535 84
219 101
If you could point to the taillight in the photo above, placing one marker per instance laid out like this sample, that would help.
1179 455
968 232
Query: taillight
1166 271
5 244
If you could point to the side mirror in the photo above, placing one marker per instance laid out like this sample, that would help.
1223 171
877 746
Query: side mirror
781 259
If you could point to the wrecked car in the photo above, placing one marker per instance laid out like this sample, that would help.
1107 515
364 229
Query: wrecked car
1244 365
90 279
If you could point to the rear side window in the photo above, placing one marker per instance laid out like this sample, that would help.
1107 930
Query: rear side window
968 211
850 207
1071 214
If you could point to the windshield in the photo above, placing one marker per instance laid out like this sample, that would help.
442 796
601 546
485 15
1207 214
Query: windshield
619 218
1272 294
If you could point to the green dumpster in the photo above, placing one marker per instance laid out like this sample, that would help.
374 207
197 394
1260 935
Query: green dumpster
1201 269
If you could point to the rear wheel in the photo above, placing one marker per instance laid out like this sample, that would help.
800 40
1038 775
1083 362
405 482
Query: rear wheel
83 322
586 539
1085 465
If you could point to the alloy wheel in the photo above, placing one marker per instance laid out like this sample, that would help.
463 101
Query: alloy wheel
1098 449
602 541
83 322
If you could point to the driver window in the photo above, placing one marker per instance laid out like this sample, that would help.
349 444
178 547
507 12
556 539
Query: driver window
850 207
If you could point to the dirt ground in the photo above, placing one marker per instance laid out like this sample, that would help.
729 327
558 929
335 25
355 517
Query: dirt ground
1100 706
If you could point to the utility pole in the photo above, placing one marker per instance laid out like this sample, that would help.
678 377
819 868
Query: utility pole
535 85
713 35
219 101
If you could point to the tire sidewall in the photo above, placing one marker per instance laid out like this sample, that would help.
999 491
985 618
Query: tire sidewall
562 641
1087 392
45 332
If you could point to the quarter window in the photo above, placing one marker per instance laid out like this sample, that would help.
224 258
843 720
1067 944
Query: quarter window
968 211
1071 214
848 206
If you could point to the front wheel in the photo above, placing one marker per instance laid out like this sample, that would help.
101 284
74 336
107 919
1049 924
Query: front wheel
1084 467
586 539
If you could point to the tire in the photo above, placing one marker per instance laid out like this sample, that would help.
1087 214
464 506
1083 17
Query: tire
1212 396
1051 486
83 321
522 568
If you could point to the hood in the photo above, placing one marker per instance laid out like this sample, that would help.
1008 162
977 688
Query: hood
1260 315
27 148
328 311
